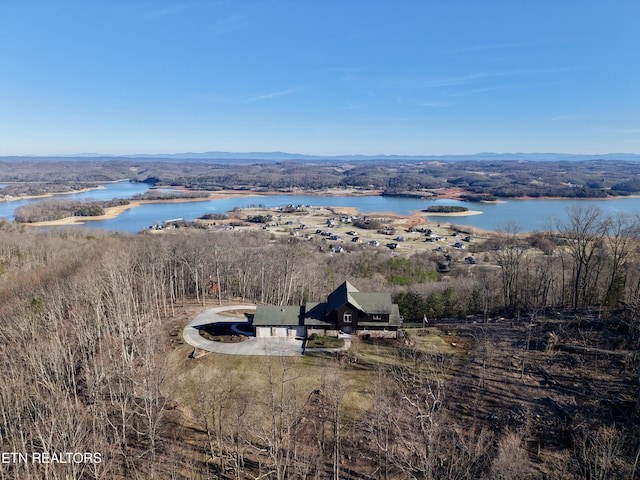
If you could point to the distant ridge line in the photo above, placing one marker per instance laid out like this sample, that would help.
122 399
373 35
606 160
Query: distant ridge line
285 156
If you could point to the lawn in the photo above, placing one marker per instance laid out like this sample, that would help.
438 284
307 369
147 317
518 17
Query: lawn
325 342
355 372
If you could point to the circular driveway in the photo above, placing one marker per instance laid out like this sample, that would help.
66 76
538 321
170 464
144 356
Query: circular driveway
277 346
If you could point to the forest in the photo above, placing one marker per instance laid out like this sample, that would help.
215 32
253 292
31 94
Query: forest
58 208
539 377
479 179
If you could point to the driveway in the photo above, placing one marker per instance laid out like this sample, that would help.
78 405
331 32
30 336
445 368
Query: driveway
276 346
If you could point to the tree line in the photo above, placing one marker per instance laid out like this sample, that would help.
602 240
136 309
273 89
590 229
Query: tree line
59 208
484 179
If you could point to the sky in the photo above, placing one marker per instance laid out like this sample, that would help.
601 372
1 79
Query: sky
321 77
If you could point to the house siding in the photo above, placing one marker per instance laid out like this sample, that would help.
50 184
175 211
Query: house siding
355 314
369 312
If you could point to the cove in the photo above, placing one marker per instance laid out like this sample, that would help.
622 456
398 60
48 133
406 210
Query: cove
109 191
532 215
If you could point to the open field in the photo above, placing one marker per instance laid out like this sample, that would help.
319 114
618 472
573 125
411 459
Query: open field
356 376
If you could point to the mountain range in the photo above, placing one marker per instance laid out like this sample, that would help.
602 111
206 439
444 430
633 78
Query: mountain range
285 156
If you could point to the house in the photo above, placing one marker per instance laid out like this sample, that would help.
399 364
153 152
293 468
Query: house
274 321
346 310
443 267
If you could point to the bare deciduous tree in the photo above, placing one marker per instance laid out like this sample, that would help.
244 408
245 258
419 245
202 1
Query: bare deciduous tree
584 234
509 253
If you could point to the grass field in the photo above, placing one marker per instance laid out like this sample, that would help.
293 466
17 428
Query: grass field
354 372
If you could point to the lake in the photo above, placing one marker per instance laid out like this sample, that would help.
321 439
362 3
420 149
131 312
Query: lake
108 192
532 215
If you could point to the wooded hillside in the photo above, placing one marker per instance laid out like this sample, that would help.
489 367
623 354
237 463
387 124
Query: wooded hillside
582 179
93 362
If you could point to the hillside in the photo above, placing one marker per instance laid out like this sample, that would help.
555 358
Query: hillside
526 369
594 178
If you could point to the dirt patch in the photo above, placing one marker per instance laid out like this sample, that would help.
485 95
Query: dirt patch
243 313
515 378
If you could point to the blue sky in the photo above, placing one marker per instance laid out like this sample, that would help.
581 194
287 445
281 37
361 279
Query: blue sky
421 77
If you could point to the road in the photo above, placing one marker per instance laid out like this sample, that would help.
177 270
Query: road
277 346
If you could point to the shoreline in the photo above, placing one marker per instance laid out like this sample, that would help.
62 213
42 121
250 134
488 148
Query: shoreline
9 198
114 212
467 213
449 194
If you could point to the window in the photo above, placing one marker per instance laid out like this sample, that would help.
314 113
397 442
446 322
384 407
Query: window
377 317
347 317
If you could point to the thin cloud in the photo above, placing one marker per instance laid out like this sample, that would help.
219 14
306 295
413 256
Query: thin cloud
464 79
623 131
497 46
434 104
268 96
246 98
479 76
439 82
177 8
168 10
566 117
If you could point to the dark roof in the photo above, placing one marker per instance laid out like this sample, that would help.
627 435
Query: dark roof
279 316
369 303
315 313
394 319
340 296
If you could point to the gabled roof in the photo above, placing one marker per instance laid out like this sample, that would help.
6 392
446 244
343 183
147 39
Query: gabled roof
369 303
267 315
341 295
315 315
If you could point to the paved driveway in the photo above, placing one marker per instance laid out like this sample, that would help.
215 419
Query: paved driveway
277 346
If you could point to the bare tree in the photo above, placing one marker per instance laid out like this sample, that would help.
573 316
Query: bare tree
509 252
623 232
510 462
584 234
598 454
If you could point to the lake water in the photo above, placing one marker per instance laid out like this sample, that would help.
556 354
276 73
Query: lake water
530 214
109 192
